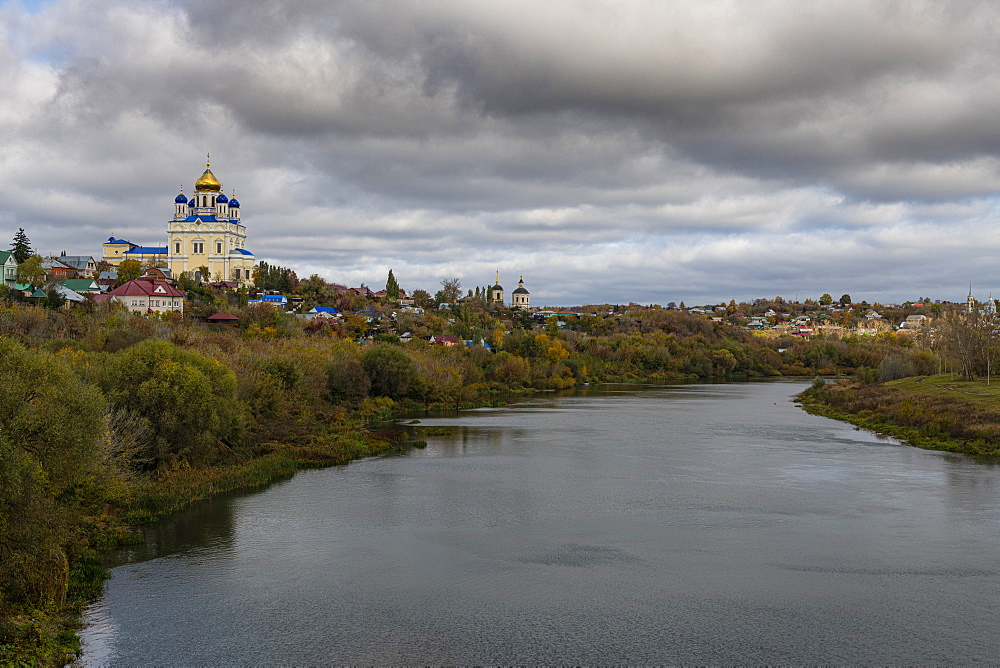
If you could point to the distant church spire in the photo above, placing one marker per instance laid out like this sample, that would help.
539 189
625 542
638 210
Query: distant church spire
497 290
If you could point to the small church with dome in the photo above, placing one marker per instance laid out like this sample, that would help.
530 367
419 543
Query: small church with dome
520 298
206 232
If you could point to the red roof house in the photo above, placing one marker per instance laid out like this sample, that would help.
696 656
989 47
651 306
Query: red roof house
148 295
222 319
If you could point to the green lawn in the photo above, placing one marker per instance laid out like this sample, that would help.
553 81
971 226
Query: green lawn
972 392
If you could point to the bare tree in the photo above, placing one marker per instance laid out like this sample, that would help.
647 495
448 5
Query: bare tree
969 338
451 290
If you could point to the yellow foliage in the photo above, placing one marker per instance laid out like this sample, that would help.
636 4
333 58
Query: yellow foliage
78 358
556 352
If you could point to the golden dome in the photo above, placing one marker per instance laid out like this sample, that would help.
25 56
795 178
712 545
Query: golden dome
208 180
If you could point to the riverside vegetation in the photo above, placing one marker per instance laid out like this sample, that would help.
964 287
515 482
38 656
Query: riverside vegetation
938 412
109 420
906 396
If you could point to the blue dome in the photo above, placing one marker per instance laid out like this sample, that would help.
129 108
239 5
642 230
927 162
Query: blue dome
191 203
234 203
181 199
221 199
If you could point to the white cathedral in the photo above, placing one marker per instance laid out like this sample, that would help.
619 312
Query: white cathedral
205 234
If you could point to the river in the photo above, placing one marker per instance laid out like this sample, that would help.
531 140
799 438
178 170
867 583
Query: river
701 523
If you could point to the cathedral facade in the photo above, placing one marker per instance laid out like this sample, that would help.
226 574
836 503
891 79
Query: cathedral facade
205 238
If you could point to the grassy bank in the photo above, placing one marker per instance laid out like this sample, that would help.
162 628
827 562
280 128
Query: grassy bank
938 412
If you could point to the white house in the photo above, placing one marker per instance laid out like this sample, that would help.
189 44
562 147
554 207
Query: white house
147 295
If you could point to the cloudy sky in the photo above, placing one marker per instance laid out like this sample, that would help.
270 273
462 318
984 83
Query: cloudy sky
609 151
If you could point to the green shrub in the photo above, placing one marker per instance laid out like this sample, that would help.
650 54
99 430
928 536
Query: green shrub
390 370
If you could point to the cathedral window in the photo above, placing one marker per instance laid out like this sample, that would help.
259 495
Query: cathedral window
177 248
199 247
218 248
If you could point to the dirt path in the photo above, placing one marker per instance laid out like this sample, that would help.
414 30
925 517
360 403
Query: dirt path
953 389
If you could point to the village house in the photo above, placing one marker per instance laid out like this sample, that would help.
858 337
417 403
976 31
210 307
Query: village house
159 274
56 270
147 295
324 312
222 319
82 285
273 300
107 280
84 265
914 322
8 269
71 297
443 340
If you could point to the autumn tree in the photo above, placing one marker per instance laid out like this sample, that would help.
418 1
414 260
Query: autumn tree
422 298
30 271
391 371
314 287
51 428
129 270
186 400
826 299
347 379
272 277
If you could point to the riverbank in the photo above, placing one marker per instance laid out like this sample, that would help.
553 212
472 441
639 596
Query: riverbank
939 412
47 635
112 419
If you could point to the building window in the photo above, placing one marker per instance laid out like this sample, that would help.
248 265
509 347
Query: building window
218 248
199 247
177 248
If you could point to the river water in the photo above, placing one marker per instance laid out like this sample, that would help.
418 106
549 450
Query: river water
706 524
